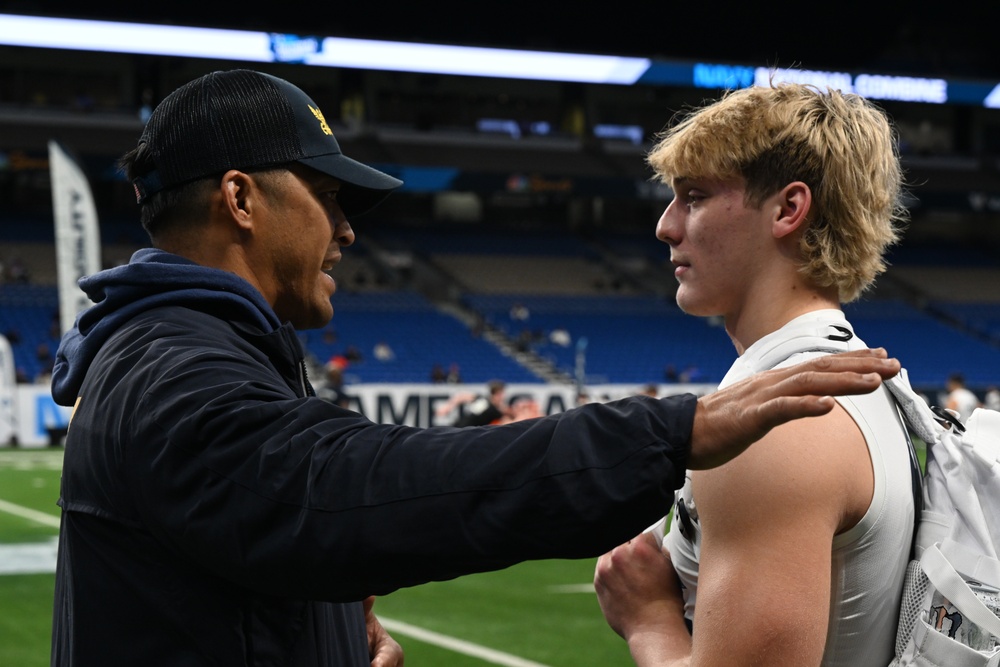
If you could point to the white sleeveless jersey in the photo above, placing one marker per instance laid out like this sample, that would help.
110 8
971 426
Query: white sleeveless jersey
869 560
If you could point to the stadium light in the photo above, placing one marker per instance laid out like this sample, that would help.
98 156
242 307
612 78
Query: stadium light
250 46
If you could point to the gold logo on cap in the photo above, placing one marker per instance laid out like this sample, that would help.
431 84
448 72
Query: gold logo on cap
322 121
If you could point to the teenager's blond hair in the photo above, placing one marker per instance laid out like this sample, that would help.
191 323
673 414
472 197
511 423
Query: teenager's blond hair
840 145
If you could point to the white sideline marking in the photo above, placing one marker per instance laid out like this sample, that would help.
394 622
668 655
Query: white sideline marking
29 558
572 588
31 459
43 518
457 645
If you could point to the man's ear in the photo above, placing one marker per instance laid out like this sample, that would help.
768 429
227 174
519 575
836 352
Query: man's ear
239 198
794 202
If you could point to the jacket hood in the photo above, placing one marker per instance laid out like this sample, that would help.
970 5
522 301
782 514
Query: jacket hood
151 279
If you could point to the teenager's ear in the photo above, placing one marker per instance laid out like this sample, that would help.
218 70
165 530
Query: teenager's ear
793 204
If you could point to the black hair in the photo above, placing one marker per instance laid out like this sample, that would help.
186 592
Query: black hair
171 209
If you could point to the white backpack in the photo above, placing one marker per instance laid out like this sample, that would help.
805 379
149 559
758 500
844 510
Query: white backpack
951 596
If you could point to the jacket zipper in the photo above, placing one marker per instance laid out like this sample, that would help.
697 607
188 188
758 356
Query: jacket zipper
307 389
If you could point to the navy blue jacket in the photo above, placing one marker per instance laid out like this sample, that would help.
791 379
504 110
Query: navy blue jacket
215 512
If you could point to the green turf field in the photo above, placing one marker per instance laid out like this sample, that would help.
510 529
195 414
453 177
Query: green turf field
29 483
537 613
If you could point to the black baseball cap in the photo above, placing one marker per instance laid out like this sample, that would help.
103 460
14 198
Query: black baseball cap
243 119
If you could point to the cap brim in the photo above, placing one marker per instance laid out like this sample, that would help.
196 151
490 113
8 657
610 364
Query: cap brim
362 187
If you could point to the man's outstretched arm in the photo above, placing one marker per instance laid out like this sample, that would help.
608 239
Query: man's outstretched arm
726 422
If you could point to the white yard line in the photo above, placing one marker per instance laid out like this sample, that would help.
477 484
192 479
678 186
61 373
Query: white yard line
456 645
43 518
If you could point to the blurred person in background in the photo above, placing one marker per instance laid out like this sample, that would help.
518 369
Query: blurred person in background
992 398
332 388
479 409
960 399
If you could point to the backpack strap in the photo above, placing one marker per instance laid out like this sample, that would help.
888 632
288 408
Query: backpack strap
916 479
917 417
916 413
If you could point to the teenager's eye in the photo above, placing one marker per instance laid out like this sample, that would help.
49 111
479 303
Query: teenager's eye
693 198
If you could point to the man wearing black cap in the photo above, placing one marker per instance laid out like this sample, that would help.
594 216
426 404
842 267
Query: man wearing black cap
215 512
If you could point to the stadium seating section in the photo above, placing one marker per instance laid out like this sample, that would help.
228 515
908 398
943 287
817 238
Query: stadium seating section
605 310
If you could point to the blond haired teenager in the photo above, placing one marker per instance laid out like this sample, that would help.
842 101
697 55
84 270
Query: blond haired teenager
785 199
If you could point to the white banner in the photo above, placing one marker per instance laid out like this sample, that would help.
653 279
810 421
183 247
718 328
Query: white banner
417 404
41 422
78 243
8 385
